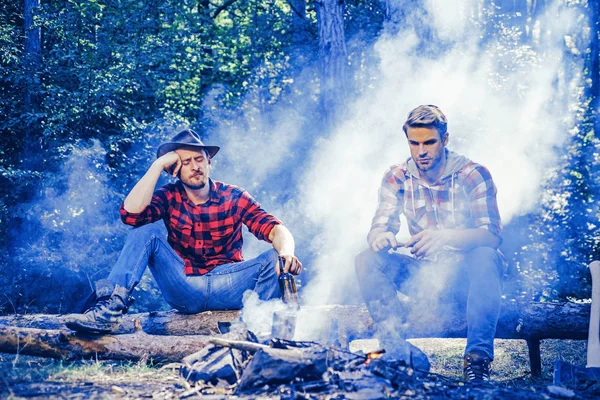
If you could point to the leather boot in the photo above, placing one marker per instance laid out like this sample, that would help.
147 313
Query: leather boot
106 315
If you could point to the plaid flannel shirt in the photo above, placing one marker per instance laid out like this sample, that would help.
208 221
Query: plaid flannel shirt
209 234
462 199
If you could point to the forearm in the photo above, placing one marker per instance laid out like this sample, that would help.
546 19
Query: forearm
468 239
140 196
282 240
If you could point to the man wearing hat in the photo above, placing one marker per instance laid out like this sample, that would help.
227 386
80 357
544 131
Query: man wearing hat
198 265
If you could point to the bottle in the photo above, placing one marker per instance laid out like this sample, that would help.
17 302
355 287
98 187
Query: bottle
287 286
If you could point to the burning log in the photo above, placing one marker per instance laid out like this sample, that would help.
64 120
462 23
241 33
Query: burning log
271 366
68 346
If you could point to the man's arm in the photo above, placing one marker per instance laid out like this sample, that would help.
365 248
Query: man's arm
283 242
140 196
429 241
484 212
266 227
386 222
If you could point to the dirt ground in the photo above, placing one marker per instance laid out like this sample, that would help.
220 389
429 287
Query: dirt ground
39 378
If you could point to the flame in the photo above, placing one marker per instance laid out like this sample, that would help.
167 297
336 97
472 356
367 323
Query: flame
373 355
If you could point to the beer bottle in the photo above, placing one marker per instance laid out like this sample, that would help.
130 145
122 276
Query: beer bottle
287 286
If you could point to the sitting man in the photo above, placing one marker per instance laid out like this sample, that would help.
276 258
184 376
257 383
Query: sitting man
450 205
198 266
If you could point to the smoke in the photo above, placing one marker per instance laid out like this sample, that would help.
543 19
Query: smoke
70 232
506 107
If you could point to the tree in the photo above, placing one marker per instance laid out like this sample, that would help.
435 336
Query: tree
32 63
333 58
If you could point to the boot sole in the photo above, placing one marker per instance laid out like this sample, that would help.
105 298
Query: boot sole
95 329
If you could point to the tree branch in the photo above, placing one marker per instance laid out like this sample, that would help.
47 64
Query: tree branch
295 10
222 7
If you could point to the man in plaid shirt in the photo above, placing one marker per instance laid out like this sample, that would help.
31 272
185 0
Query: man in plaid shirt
198 264
450 205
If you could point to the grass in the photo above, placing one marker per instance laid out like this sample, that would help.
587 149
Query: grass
21 375
511 356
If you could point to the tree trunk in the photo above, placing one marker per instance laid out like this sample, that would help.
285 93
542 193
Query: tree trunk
154 323
595 65
333 58
67 346
33 64
517 321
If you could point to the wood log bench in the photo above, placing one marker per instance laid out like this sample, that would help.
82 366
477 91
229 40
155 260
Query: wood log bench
531 322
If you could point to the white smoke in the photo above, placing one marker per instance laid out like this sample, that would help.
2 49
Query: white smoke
505 110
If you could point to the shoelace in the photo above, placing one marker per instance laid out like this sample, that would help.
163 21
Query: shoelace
109 305
479 371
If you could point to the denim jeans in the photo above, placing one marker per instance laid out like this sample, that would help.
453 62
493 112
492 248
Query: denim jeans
220 289
478 277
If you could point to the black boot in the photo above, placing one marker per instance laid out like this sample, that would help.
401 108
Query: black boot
106 315
476 367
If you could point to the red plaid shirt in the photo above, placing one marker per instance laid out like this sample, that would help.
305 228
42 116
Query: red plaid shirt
209 234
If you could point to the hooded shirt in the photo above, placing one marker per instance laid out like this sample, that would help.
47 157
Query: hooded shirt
463 198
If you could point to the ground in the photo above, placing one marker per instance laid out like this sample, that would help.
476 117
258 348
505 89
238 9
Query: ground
32 377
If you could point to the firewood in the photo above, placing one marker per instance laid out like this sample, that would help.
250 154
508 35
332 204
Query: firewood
272 366
250 347
63 344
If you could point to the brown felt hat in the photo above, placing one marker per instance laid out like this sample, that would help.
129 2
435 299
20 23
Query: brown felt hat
187 138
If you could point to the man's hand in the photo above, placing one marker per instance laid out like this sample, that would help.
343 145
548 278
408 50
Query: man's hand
428 242
383 240
170 162
292 265
283 242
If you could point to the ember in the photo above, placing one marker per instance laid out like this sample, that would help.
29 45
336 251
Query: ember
374 355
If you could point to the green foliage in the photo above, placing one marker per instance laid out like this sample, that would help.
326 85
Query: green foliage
564 236
118 77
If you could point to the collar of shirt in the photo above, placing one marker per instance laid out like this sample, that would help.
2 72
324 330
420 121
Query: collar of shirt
214 193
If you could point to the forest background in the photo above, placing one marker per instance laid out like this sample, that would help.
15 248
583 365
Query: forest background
307 100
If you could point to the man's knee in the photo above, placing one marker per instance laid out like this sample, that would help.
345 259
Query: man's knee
364 262
485 261
269 259
147 231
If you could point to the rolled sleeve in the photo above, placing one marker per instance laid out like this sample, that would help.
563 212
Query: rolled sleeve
152 213
259 222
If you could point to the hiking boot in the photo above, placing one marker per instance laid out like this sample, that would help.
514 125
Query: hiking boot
476 367
105 316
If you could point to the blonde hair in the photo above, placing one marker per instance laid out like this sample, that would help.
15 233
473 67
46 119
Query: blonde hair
426 116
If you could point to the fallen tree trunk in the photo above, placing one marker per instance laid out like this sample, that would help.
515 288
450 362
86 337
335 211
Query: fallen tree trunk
68 346
153 323
159 339
517 321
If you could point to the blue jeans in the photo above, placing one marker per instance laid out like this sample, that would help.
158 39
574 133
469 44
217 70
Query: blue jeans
220 289
478 278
